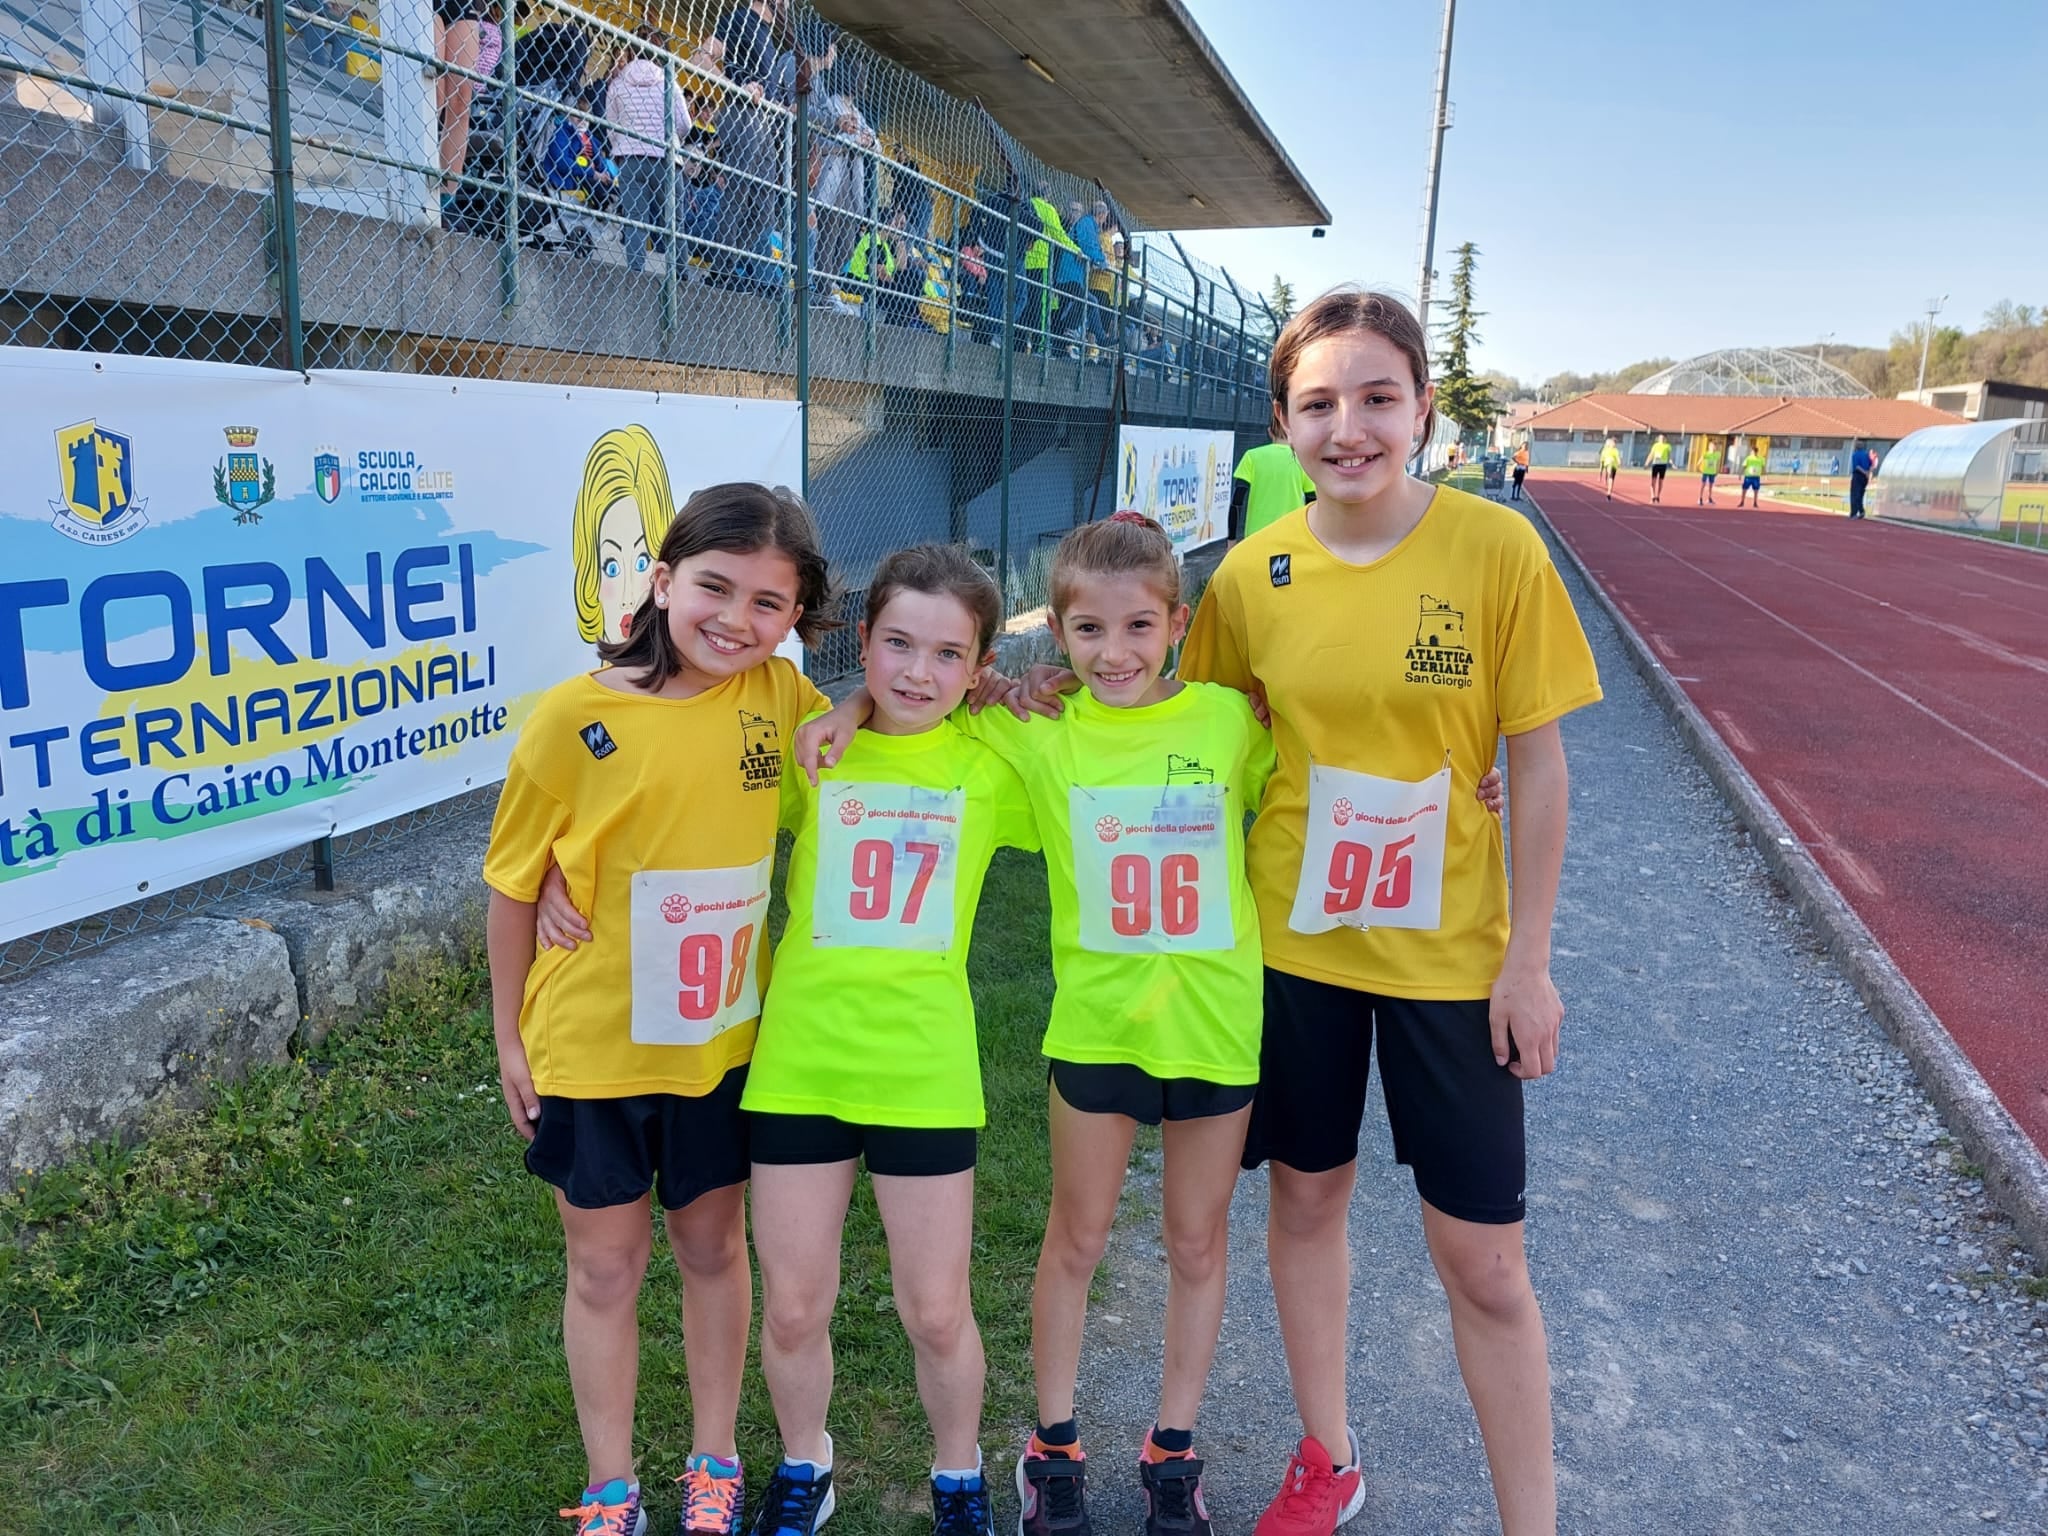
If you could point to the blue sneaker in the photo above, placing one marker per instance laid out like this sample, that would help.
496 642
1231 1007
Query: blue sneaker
961 1507
612 1510
798 1501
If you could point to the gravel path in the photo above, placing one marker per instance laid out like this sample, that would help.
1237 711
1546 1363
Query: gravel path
1777 1298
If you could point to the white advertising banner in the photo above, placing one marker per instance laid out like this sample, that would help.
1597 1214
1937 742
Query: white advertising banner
243 609
1181 478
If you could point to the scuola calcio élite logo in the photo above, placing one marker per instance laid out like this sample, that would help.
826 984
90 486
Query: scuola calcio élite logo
244 480
96 478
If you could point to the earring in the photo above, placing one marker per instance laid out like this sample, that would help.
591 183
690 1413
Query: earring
660 601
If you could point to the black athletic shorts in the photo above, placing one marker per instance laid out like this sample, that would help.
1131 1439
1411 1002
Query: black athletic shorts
899 1151
601 1152
1657 471
1456 1115
1118 1088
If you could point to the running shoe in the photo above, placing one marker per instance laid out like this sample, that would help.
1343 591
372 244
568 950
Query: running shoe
798 1501
1052 1493
714 1496
961 1507
612 1510
1174 1505
1314 1498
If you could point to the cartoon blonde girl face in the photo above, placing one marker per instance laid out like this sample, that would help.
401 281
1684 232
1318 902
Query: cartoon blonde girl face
622 512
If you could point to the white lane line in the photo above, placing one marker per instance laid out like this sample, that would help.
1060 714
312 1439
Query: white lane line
1853 665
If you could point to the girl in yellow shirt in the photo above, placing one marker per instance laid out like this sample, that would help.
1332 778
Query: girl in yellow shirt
650 788
1398 631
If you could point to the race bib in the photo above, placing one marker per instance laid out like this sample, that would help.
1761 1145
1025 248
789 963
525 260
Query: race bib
695 937
1374 853
888 855
1151 867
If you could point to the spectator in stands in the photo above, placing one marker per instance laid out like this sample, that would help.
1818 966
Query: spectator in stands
1070 280
840 187
548 69
1094 257
1103 280
644 106
578 173
456 41
1035 287
490 47
1158 352
760 59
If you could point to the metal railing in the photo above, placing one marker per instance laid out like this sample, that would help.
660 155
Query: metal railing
697 204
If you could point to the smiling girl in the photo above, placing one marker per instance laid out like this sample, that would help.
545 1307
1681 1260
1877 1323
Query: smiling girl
1398 631
652 787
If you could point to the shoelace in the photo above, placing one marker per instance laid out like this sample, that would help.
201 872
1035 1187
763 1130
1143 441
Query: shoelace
960 1511
594 1518
1174 1493
708 1500
1305 1491
795 1504
1062 1492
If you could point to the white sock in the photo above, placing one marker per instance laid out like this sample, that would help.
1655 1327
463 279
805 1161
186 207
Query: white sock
823 1465
963 1472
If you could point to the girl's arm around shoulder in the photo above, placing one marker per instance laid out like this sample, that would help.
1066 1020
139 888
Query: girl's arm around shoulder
1006 798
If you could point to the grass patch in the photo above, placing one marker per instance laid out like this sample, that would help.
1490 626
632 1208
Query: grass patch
331 1301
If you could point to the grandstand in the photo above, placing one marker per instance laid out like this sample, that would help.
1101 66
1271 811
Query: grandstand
200 180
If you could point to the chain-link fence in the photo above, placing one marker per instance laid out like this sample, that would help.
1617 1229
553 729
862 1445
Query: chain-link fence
712 197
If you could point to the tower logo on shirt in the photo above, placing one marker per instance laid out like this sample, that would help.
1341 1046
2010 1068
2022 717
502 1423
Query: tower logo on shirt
675 908
1187 770
851 811
760 752
1439 658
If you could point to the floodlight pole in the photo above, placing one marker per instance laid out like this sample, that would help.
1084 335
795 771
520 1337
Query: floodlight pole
1926 336
1436 165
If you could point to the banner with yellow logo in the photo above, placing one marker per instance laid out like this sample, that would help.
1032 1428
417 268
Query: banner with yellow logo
243 609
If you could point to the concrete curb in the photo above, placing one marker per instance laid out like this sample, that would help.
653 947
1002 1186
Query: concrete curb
90 1045
2015 1173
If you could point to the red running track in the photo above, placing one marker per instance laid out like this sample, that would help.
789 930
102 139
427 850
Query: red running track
1888 689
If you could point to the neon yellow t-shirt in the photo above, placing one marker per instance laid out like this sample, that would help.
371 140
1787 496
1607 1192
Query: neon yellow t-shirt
1710 462
625 791
1277 484
1660 452
1753 465
870 1020
1155 935
1459 634
1610 457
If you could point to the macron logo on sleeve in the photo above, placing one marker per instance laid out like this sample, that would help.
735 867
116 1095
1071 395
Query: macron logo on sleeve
1281 569
599 740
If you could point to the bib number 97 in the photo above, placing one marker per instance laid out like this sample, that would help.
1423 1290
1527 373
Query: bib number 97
874 879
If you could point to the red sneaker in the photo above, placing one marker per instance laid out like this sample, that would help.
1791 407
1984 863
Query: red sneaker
1314 1498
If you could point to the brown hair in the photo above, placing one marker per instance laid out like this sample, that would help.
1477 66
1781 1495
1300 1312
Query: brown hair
1127 544
1339 311
940 570
740 517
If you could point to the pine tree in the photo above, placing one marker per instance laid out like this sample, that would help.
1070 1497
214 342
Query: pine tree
1464 398
1281 302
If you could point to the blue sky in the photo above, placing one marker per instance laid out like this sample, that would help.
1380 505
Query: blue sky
1659 179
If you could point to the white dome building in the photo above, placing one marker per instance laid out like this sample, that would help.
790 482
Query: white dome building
1770 371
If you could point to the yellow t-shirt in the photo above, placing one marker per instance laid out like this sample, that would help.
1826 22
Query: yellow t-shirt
1610 457
870 1020
608 785
1155 935
1710 462
1660 452
1753 465
1459 634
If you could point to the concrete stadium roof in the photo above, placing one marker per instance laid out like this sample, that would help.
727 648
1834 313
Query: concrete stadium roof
1137 99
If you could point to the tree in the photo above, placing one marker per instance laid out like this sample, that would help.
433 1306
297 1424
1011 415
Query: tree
1281 302
1461 395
